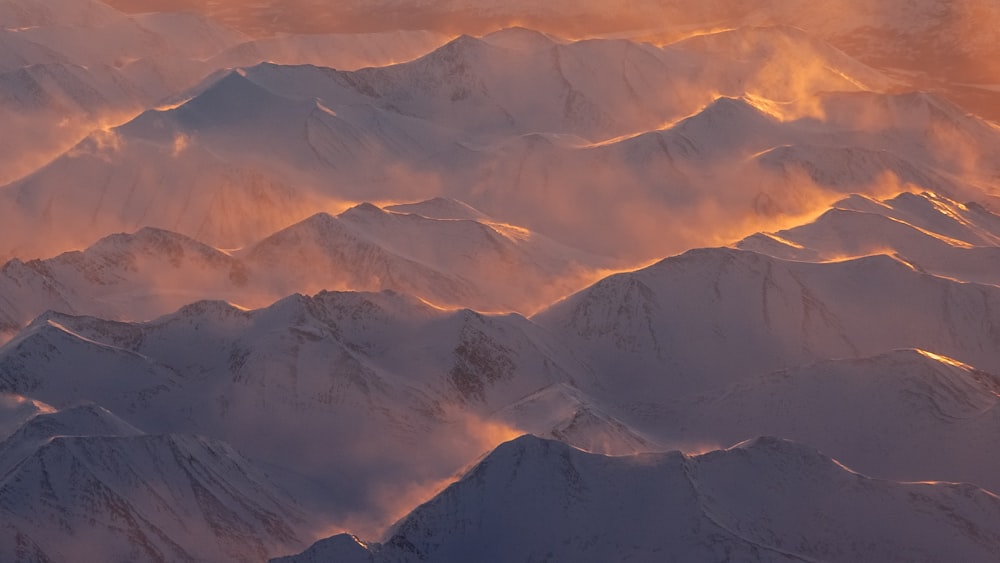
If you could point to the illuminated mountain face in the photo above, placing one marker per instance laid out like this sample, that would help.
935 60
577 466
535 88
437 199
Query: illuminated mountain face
275 273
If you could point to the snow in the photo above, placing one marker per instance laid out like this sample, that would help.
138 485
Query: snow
457 124
297 319
762 500
931 232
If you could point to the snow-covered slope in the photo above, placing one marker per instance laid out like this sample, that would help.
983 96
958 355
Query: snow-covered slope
32 13
137 276
709 317
68 69
72 67
933 233
686 145
762 500
15 410
111 492
870 331
903 415
451 262
402 392
343 51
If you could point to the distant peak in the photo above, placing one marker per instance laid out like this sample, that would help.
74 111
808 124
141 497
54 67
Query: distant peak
365 207
777 449
208 308
519 39
363 212
440 208
728 111
321 217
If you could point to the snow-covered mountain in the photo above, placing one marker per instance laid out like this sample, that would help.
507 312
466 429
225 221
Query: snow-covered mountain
251 357
450 261
761 500
82 484
402 393
343 51
706 318
445 259
904 415
71 68
137 276
255 148
932 233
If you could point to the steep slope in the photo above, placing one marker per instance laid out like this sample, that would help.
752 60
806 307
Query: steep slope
704 319
904 415
402 392
31 13
141 497
72 68
137 276
454 263
343 51
763 500
84 420
457 123
480 263
562 412
931 232
15 410
440 208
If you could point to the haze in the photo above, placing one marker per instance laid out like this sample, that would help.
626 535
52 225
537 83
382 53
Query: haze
298 277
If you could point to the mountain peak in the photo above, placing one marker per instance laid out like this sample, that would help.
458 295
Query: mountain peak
518 38
364 208
440 208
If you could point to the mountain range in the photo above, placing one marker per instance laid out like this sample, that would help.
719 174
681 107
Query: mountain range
436 281
256 149
761 500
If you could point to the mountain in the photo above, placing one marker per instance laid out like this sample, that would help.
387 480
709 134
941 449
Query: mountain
448 262
305 138
403 393
933 233
15 410
343 51
562 412
762 500
336 268
709 317
68 70
904 415
31 13
131 276
74 67
82 484
440 208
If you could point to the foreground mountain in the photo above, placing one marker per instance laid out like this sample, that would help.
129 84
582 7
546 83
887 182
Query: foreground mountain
15 410
402 392
82 484
762 500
